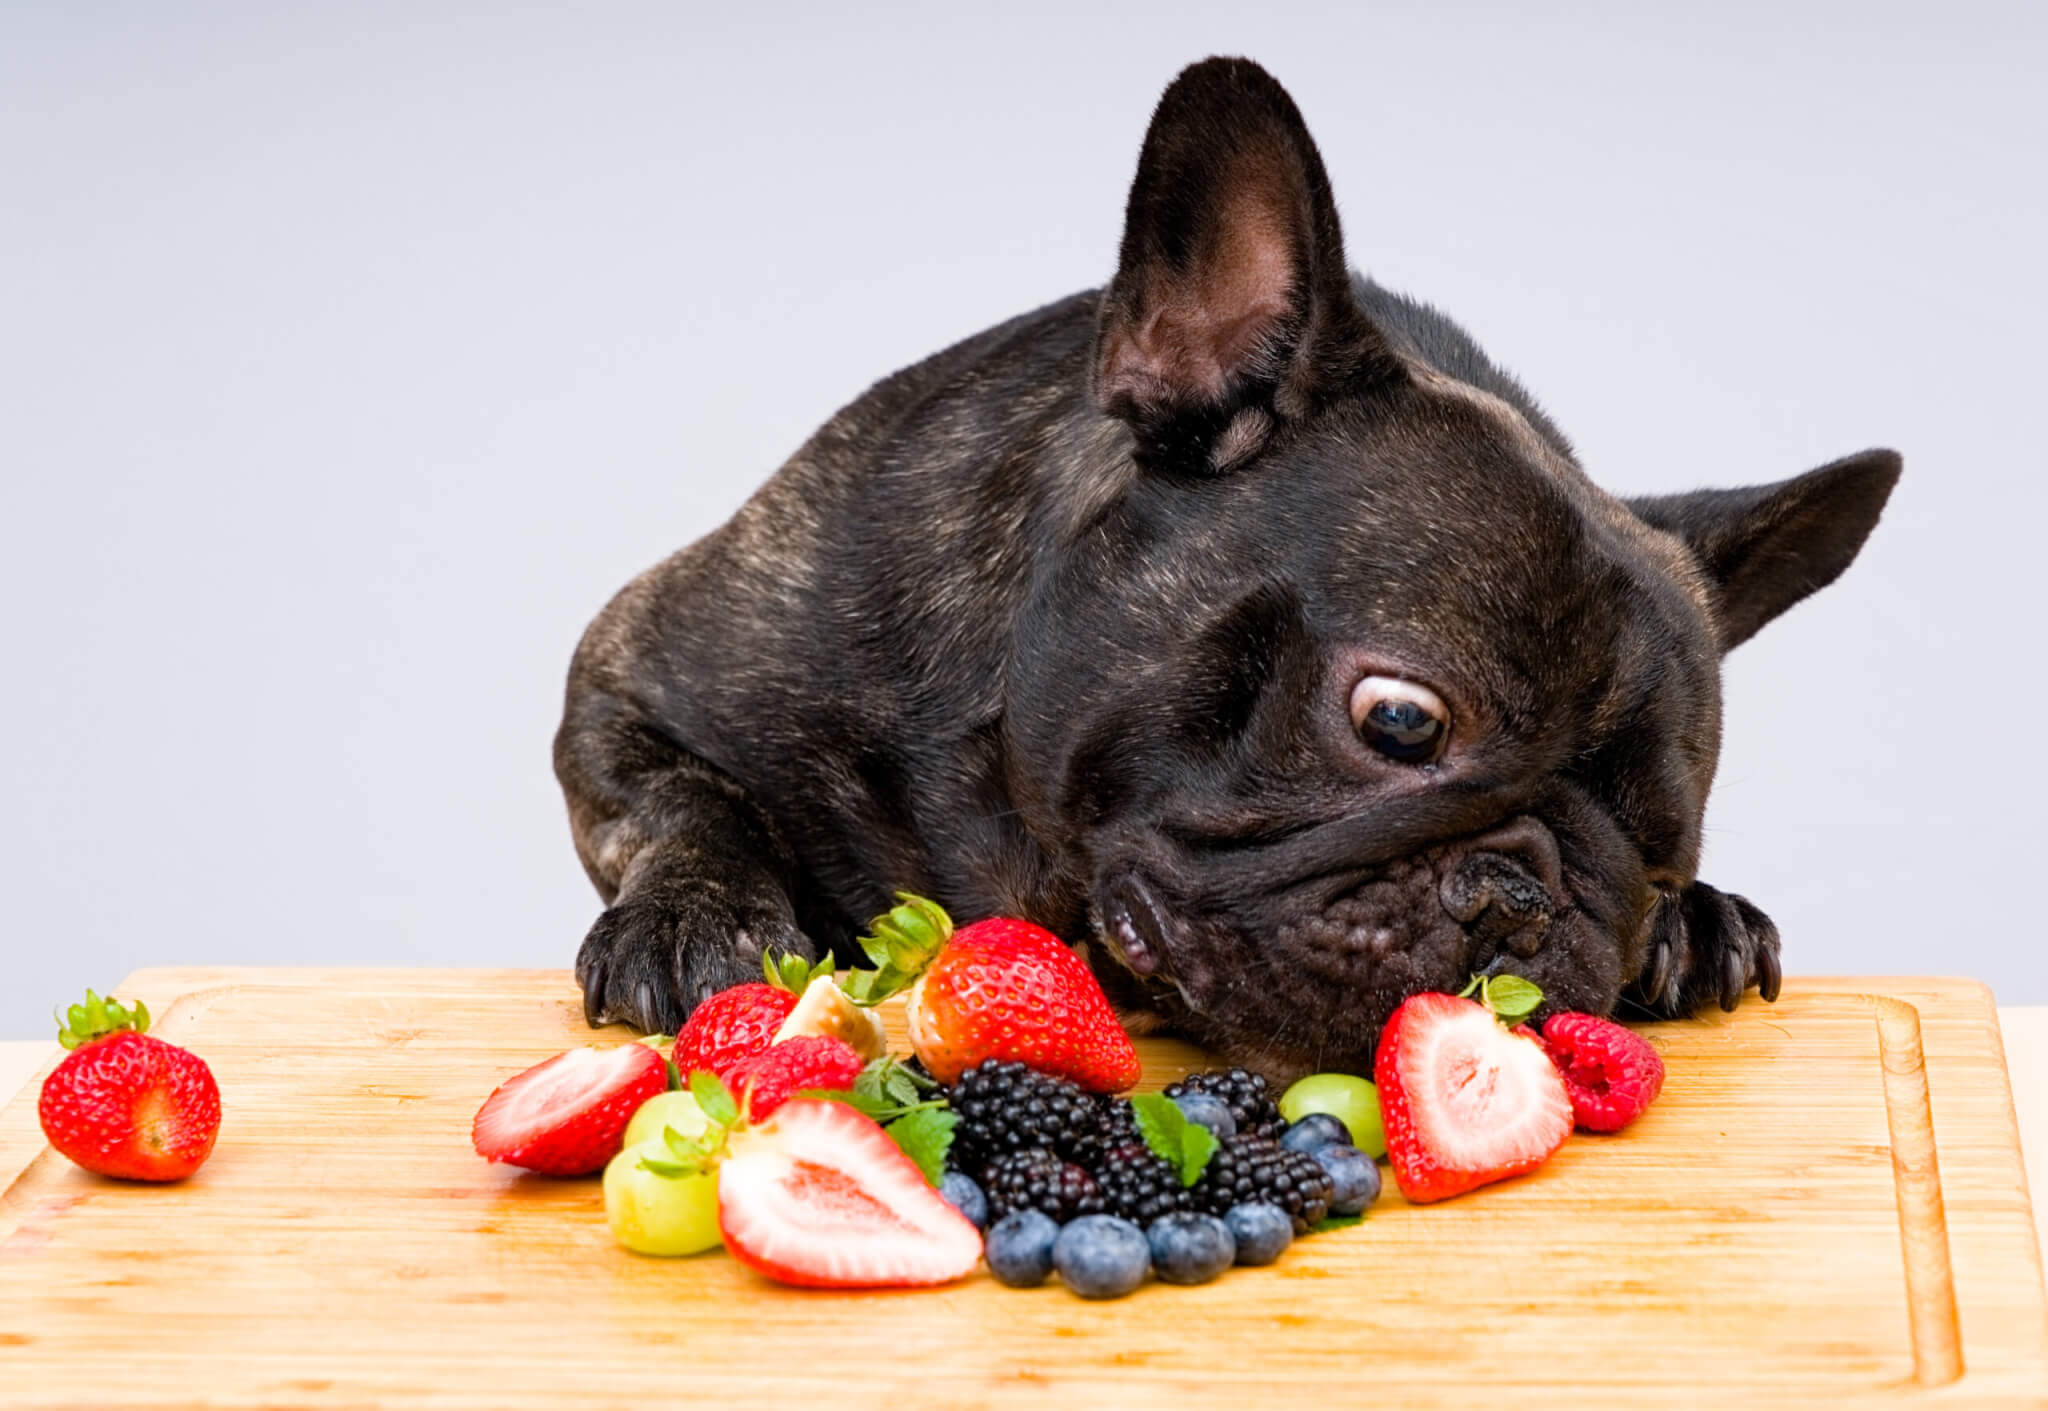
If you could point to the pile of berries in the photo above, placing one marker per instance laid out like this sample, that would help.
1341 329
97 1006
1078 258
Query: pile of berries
1107 1190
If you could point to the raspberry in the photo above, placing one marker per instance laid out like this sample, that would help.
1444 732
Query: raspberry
1610 1072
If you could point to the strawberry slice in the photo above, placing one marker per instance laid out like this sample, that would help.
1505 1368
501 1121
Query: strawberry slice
568 1116
1465 1101
818 1195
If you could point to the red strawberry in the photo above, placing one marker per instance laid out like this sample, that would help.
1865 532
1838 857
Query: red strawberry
819 1195
568 1116
1465 1101
1001 988
769 1078
730 1026
1611 1074
126 1104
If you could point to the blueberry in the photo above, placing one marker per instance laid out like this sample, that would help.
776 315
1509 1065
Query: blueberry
1355 1178
1315 1131
1206 1111
964 1196
1262 1231
1100 1256
1190 1249
1019 1248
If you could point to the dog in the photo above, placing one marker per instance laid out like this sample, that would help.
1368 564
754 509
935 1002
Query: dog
1240 623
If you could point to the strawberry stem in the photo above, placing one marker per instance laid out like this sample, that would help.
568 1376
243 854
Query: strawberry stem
905 941
97 1018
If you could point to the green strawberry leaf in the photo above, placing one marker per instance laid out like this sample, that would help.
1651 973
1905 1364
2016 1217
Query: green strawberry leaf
1511 998
714 1098
926 1136
98 1017
660 1167
1336 1222
1472 987
904 942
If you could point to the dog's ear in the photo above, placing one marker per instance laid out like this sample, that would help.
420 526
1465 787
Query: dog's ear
1232 304
1765 547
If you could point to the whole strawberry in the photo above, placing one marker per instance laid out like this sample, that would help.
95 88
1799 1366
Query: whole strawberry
1001 988
735 1024
770 1078
1611 1073
124 1103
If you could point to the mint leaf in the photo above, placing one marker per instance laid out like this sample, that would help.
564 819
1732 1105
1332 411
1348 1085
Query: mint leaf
1511 998
1336 1222
865 1104
898 1085
1197 1145
925 1136
714 1098
1160 1123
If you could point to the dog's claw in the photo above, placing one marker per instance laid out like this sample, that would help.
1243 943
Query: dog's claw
1769 974
1734 979
592 980
1658 973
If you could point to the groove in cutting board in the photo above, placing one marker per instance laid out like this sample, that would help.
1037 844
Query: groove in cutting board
1923 1224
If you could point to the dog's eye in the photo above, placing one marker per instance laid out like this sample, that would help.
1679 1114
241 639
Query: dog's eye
1400 719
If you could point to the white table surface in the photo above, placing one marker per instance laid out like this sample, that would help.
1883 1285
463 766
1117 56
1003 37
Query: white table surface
2026 1057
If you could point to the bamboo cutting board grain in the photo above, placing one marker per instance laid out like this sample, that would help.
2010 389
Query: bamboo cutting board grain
1810 1214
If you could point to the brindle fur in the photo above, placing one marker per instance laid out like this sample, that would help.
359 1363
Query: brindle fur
1062 622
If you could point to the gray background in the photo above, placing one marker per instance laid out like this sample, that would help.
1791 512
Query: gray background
350 357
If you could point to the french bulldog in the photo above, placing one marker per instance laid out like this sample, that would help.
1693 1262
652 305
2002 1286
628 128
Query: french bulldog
1240 623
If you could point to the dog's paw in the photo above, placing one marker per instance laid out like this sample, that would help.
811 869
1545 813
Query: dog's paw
1706 945
651 959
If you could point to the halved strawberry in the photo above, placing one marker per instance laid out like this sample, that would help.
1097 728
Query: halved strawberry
568 1116
1464 1100
818 1195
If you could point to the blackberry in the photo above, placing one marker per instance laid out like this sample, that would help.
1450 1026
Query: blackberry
1005 1108
1037 1179
1115 1126
1258 1168
1245 1093
1139 1186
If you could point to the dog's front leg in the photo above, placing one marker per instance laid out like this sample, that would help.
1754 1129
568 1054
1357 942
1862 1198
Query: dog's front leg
696 880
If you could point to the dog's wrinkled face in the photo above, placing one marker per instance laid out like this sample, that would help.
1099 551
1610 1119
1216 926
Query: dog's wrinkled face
1356 686
1402 701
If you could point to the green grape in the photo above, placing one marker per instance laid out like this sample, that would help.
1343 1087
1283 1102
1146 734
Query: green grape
1353 1101
657 1214
676 1109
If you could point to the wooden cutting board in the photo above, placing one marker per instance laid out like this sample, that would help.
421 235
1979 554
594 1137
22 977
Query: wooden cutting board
1810 1213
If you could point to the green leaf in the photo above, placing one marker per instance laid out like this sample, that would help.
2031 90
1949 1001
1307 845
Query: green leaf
925 1136
1511 998
141 1017
865 1104
714 1098
898 1084
1160 1123
670 1169
1471 986
1186 1146
1197 1145
1336 1222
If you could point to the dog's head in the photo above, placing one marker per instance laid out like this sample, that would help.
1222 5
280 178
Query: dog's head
1354 685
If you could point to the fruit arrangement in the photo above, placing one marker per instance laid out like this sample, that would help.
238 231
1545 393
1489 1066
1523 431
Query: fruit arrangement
780 1128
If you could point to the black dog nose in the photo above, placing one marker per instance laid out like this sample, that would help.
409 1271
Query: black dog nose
1506 887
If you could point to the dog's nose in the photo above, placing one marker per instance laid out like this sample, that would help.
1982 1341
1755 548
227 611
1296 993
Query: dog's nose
1506 886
